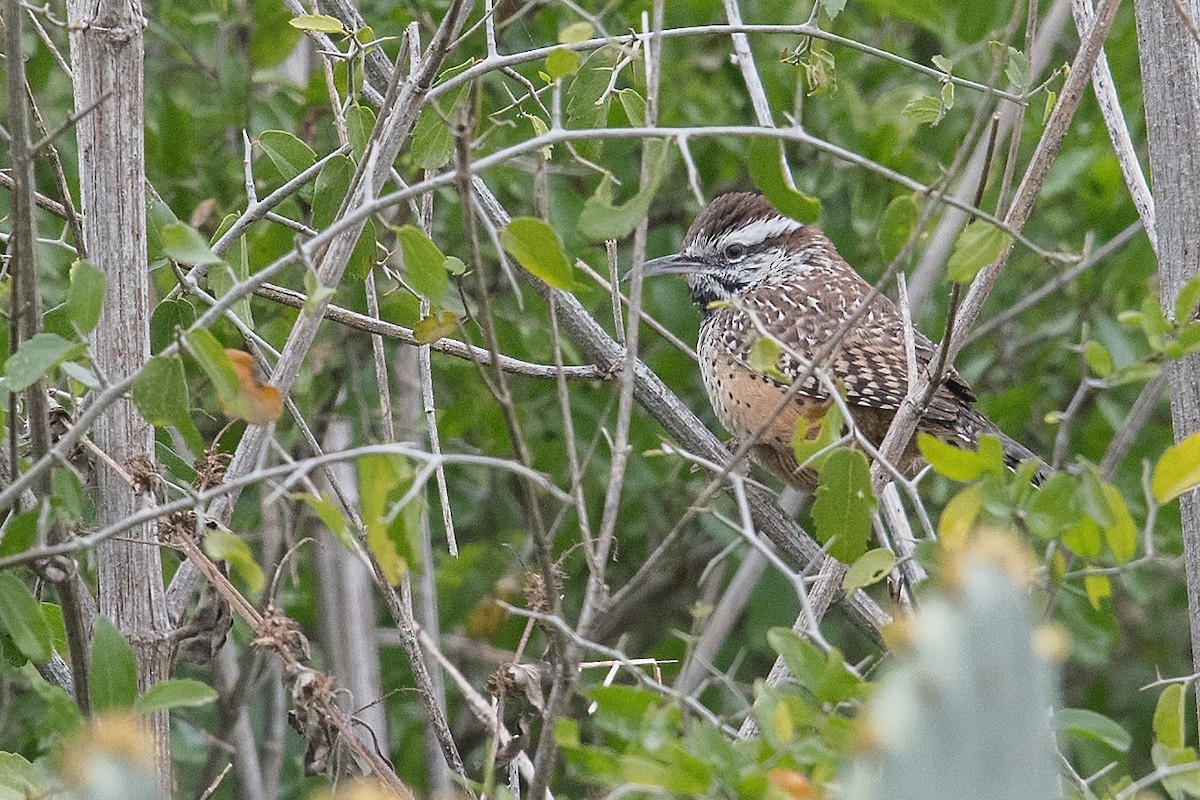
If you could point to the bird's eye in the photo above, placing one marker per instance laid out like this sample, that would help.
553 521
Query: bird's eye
735 251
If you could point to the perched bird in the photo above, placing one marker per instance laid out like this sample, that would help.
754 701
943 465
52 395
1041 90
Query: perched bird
753 271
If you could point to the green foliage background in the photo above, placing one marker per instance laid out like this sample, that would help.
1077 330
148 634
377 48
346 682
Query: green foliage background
217 68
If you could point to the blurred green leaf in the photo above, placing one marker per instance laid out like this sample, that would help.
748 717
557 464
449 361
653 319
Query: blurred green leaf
1018 72
175 693
576 32
222 545
562 62
383 480
899 220
809 439
536 247
1169 716
767 170
289 155
428 330
35 358
22 618
979 244
602 219
958 463
211 357
360 121
113 675
424 264
183 243
1187 300
872 567
1091 725
85 297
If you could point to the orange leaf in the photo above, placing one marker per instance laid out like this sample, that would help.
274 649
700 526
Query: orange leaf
256 402
792 783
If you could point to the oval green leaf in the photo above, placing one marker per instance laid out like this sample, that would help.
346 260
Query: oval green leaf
22 617
175 693
536 247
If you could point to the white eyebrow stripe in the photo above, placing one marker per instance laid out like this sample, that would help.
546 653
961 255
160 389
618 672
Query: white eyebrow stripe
760 231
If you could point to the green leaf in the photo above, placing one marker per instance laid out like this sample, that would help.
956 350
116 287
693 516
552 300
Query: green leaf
588 87
1018 71
360 121
1098 589
536 247
767 170
1169 716
1090 725
979 244
113 675
562 62
175 693
575 33
224 277
634 106
844 504
1121 535
332 516
872 567
424 264
169 317
35 358
212 358
22 532
289 155
833 7
925 108
429 329
899 219
322 23
1099 360
22 618
809 438
1187 300
1048 109
160 392
602 220
383 480
764 355
946 65
66 495
330 190
226 546
1178 470
314 293
183 243
85 297
822 673
820 73
432 140
958 463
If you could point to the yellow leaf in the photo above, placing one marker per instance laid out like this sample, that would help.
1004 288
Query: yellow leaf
959 517
1178 470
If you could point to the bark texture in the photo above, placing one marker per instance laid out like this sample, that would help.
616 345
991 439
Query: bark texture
1170 61
106 57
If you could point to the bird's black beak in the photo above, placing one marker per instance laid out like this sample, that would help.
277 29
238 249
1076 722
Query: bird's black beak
677 264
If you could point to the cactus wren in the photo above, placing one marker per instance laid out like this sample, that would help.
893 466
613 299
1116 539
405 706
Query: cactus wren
753 271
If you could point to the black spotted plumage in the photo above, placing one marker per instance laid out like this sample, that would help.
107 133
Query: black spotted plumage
754 272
